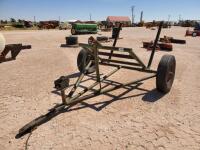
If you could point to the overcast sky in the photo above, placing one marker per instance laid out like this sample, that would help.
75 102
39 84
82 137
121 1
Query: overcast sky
99 9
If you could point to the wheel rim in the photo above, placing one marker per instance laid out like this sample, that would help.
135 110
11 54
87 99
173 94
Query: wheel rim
88 60
83 61
170 75
194 34
73 31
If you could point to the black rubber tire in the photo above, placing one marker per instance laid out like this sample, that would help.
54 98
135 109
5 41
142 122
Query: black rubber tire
165 73
73 31
72 40
83 60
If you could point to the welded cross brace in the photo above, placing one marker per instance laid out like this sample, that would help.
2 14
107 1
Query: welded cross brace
93 49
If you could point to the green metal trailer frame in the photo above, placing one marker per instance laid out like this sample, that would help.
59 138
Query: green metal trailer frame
94 49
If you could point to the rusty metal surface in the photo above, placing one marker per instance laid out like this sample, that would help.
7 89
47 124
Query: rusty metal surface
167 39
15 49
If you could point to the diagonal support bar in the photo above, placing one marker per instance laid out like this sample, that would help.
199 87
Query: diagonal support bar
78 81
137 59
74 98
115 41
155 44
96 59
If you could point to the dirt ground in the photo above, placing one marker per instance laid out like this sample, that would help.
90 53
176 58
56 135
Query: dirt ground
133 118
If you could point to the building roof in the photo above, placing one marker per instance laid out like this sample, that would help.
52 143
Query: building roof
118 18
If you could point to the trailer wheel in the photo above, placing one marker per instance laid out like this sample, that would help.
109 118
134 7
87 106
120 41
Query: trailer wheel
83 59
165 73
73 31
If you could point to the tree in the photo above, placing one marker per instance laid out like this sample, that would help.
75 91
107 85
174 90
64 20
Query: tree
12 20
20 21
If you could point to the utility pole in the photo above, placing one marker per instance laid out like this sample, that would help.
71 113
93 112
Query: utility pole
169 16
179 17
90 17
34 21
132 10
141 17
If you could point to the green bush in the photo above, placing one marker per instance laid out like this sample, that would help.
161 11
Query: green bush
18 25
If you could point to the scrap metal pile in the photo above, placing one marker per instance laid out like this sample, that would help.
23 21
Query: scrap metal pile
48 24
167 39
164 43
159 46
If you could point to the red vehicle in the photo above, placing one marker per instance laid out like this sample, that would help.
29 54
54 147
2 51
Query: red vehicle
192 33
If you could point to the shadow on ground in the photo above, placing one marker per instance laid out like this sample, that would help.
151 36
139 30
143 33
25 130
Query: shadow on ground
150 96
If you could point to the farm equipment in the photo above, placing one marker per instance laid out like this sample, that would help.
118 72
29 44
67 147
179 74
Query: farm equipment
88 61
80 28
64 26
192 33
48 24
115 35
167 39
195 32
160 46
15 49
